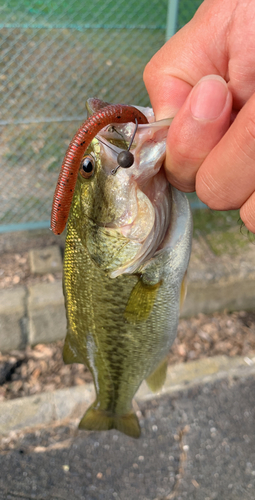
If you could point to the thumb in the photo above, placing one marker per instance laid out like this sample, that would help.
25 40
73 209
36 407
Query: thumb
198 126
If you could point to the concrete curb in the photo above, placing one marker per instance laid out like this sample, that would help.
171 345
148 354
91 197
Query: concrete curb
31 315
36 314
70 404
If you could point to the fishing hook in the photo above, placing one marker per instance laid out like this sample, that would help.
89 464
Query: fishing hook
125 158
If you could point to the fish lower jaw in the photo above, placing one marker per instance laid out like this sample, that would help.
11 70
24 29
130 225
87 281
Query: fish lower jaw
131 232
138 224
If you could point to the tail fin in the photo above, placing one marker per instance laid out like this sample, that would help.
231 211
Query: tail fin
100 420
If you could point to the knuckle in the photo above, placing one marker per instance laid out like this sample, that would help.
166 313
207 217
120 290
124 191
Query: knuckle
188 155
250 128
213 193
247 213
183 147
148 73
183 184
181 172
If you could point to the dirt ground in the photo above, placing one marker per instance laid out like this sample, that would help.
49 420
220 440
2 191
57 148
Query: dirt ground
41 368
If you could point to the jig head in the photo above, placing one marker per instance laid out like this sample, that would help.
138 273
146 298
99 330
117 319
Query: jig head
125 158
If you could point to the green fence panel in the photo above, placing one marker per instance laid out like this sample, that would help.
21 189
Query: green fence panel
186 11
54 55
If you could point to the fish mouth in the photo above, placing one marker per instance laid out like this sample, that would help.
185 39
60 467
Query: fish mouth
114 143
148 228
135 204
130 218
145 229
130 184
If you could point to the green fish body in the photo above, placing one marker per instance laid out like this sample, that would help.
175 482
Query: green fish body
127 251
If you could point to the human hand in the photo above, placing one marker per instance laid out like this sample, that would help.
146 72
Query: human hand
211 142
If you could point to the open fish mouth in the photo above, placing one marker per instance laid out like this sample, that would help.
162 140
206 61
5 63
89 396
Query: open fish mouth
135 203
150 236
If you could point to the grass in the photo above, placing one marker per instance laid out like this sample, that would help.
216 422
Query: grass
223 231
206 221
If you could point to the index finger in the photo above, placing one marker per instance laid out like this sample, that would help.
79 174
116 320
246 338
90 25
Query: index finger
188 56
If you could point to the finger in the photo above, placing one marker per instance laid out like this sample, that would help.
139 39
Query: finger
197 128
166 95
218 40
226 179
247 213
188 56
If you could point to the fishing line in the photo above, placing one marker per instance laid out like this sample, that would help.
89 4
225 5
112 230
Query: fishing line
107 145
113 129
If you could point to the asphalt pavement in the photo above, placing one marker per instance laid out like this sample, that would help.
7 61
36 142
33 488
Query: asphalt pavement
198 437
197 443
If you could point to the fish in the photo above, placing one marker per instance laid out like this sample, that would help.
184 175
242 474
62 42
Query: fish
127 251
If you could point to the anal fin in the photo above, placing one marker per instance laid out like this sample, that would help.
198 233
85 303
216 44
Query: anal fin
141 301
156 380
100 420
69 354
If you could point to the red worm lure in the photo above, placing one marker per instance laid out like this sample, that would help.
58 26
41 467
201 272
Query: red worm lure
112 113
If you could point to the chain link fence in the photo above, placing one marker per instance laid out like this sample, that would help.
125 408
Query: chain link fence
54 55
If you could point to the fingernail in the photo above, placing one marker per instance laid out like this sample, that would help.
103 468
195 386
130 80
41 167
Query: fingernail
208 98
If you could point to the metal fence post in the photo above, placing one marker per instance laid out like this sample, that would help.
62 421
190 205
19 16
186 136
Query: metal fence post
172 16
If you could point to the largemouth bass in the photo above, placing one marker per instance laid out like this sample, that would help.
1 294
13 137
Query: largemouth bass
127 250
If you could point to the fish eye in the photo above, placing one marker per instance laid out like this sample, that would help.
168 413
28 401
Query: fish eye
87 166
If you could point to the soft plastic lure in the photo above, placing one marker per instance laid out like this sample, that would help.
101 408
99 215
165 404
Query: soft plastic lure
110 113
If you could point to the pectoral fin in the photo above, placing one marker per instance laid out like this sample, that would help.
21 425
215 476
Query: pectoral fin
100 420
141 301
157 379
